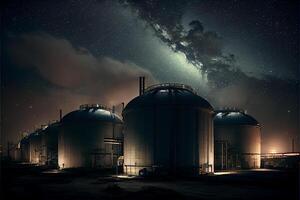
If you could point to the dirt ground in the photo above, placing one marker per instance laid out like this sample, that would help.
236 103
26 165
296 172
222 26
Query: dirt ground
33 182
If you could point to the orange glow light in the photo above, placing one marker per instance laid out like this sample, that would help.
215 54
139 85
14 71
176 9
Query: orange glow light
273 151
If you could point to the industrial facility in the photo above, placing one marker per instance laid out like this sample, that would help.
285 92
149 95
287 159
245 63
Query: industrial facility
90 137
40 146
237 140
168 130
23 150
49 142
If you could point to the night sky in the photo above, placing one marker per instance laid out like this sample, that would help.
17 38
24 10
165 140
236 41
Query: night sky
60 54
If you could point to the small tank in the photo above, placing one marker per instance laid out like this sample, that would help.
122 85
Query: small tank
168 131
237 140
90 137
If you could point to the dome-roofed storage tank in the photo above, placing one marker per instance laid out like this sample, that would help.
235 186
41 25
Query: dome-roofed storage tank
35 146
17 152
25 149
168 129
40 146
90 137
237 140
49 142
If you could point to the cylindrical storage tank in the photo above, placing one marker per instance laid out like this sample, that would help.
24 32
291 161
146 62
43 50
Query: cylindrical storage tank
90 137
35 147
49 143
17 153
25 149
237 140
168 130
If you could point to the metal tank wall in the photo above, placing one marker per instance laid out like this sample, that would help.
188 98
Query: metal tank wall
25 149
17 153
169 138
40 147
35 147
49 144
81 142
237 145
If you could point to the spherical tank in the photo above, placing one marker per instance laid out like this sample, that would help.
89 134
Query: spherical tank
168 129
90 137
237 140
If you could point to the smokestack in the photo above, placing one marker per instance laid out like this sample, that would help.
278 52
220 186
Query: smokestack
60 114
8 149
113 109
141 85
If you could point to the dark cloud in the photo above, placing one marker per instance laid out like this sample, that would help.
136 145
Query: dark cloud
48 73
75 68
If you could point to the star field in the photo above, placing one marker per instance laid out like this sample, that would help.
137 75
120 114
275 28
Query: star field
60 54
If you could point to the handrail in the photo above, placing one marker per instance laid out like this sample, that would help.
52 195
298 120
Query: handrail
87 106
228 110
170 85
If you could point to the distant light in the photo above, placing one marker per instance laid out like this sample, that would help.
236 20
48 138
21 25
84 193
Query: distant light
234 113
219 115
162 91
125 176
264 170
54 171
273 151
224 173
292 154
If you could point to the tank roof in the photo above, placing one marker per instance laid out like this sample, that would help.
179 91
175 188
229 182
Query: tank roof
87 106
168 94
234 117
169 86
50 127
91 114
33 134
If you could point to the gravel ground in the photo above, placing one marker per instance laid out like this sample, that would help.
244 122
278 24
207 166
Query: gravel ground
37 183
